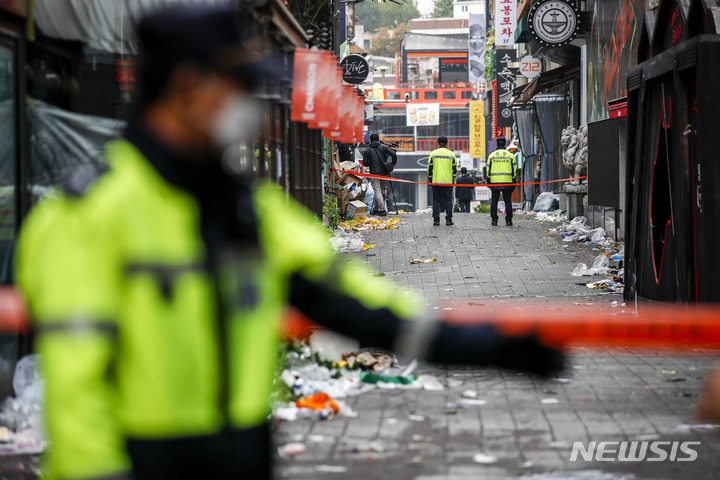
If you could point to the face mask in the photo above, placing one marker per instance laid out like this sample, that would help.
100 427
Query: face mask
234 121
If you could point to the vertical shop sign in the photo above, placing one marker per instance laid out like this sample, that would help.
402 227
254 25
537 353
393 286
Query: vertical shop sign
477 129
505 85
505 22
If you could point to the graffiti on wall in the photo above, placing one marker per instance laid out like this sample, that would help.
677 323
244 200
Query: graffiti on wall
612 51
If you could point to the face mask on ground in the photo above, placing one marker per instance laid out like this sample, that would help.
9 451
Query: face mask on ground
234 121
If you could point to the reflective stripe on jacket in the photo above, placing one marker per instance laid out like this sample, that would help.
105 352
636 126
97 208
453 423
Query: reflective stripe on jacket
501 166
442 165
126 312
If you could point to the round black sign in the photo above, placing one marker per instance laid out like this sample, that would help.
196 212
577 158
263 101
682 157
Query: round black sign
355 69
553 23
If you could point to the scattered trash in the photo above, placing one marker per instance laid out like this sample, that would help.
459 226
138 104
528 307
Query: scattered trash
347 242
318 401
367 247
549 401
424 210
292 449
428 382
470 394
601 265
22 415
484 458
429 260
613 286
360 224
546 202
416 418
374 378
472 401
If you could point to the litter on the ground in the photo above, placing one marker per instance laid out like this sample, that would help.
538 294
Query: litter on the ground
318 401
417 260
291 449
484 458
369 223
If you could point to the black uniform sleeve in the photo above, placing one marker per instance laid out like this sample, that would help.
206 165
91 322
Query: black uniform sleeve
476 345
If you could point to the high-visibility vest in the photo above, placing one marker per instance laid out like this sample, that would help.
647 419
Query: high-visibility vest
442 165
501 166
126 312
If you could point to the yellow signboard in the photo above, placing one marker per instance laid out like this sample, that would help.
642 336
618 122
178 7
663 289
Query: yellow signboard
477 129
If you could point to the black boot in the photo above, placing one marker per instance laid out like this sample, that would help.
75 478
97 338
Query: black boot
494 222
436 221
448 221
508 222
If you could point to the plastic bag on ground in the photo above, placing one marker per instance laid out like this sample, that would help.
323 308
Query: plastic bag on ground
580 270
347 242
546 202
601 264
596 235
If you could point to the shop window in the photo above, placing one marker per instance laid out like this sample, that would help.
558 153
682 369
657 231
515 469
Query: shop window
430 95
467 94
449 95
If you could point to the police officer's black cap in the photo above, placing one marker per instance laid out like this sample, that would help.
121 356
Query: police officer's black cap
213 36
501 141
442 140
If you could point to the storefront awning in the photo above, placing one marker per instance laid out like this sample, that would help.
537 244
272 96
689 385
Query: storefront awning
107 26
556 76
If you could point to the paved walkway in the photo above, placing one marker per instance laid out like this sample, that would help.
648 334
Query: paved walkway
515 426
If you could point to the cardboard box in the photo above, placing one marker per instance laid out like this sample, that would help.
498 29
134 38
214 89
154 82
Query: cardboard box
342 199
354 190
356 208
350 166
348 178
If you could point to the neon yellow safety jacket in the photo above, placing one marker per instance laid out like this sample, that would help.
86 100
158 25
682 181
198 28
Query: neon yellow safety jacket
501 166
125 312
442 165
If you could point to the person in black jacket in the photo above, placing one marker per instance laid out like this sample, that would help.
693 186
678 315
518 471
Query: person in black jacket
375 157
464 194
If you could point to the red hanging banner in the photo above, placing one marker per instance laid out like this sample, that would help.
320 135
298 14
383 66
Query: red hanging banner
308 103
329 93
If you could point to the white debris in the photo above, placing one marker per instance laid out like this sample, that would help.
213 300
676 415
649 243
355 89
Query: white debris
484 458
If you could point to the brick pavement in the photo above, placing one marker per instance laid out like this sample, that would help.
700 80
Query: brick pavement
525 427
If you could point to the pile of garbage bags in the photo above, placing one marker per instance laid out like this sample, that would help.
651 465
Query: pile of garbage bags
21 417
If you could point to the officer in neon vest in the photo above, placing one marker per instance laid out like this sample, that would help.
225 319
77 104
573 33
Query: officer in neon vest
442 167
157 281
501 168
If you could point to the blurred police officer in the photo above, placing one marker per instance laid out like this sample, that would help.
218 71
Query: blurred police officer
157 282
501 168
442 167
464 194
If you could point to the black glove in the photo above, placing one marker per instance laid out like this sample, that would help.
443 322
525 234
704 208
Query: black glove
483 345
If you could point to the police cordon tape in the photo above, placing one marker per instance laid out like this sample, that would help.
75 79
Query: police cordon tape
391 179
665 328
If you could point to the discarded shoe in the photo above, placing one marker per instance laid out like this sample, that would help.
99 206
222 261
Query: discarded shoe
494 223
448 221
508 222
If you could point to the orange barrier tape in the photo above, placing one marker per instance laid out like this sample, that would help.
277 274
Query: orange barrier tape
650 326
678 326
391 179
